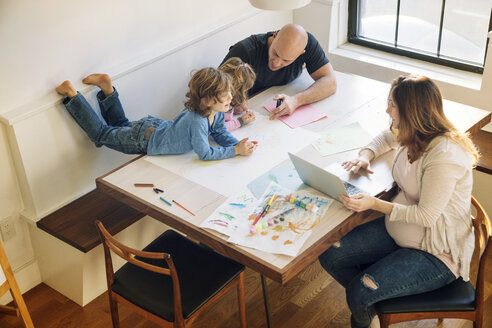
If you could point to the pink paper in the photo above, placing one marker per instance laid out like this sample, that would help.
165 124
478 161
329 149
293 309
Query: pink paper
302 115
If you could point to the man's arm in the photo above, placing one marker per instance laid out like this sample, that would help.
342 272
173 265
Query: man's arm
325 84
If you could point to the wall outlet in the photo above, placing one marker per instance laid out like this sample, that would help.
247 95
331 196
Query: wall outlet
7 228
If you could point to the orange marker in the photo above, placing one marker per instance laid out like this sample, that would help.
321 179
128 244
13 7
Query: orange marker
175 202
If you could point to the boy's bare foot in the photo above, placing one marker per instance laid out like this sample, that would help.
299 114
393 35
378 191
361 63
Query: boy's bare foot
103 81
66 89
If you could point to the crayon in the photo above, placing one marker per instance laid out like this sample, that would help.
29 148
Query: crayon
165 201
265 209
143 184
175 202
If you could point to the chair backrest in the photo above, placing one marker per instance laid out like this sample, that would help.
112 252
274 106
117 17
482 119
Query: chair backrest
129 254
8 283
483 232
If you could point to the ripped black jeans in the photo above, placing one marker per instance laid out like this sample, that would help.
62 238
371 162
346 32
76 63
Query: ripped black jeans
372 267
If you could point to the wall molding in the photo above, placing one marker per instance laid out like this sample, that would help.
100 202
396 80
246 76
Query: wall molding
54 160
15 115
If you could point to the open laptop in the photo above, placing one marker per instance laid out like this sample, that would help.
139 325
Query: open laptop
322 180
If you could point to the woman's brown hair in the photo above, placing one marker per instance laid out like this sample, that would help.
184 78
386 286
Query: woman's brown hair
422 118
243 78
206 83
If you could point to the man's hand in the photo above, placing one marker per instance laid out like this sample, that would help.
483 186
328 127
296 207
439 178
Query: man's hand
287 107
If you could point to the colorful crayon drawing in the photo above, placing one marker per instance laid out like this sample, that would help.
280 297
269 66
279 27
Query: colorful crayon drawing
282 228
232 213
286 225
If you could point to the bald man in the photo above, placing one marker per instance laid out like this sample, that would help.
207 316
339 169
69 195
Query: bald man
278 58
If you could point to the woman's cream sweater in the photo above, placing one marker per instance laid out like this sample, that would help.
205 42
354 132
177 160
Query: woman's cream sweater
444 178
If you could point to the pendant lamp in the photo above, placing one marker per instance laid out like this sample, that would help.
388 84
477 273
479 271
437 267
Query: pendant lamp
279 4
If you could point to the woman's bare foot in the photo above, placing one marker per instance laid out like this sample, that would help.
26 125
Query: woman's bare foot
66 89
103 81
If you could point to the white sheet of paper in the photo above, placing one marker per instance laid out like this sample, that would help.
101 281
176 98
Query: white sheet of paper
229 175
287 231
340 139
233 213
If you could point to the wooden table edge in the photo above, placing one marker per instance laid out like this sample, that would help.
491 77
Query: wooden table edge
203 235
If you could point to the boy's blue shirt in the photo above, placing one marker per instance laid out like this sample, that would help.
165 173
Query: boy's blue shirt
190 131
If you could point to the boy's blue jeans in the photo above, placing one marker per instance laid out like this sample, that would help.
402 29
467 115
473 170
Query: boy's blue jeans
372 267
119 134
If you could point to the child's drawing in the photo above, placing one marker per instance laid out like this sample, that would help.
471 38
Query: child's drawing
286 224
232 213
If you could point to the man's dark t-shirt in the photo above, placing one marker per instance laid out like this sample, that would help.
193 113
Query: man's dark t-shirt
254 51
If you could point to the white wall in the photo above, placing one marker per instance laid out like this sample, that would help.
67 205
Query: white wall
149 48
50 41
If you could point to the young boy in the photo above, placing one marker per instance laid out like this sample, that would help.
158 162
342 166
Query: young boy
209 97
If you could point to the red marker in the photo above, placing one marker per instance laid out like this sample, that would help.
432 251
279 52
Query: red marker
265 209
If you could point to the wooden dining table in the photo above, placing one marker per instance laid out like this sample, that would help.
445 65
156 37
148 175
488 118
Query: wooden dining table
357 99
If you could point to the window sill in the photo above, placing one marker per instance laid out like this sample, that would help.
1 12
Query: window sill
385 67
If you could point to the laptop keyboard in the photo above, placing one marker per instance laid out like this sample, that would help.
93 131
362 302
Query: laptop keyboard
351 189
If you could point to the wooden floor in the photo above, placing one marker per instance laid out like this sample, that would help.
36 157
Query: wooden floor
312 300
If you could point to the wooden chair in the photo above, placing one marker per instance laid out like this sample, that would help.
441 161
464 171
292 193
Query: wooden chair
171 281
8 283
457 300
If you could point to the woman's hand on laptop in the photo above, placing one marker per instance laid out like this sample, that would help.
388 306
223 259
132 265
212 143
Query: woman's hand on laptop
362 202
363 161
358 203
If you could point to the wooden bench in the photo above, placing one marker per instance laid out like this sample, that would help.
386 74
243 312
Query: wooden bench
483 141
74 223
67 248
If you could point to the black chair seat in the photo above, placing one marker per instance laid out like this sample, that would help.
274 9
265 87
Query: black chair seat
457 296
154 292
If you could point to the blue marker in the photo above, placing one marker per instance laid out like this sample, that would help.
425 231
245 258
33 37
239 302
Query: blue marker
279 102
165 201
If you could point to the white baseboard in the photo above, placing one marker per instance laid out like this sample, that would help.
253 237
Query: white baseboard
27 277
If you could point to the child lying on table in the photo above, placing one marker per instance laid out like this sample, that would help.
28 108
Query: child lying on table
209 97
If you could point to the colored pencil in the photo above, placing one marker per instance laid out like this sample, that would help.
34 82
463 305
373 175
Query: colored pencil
166 201
143 184
175 202
265 209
